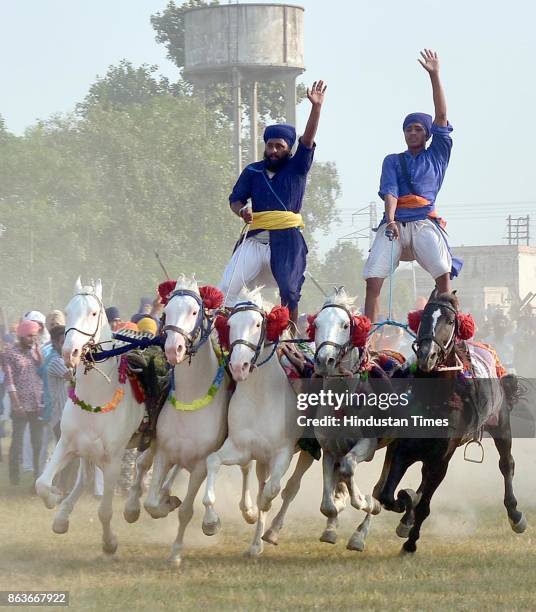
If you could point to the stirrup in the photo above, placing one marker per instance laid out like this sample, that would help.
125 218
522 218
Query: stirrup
469 459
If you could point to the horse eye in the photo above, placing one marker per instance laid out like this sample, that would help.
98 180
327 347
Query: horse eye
195 313
346 326
258 324
94 314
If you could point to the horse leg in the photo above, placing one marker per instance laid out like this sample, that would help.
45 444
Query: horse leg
228 454
502 437
433 477
370 506
158 503
329 507
186 510
111 473
363 451
278 468
290 491
50 494
61 520
132 508
249 512
257 546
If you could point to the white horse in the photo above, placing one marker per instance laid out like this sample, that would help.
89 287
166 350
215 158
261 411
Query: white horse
262 418
97 436
193 423
337 355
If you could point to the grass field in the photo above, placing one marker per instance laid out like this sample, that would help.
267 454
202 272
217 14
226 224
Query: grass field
467 559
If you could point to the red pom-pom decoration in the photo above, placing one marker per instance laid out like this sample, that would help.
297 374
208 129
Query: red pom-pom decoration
212 297
414 320
466 326
311 329
165 290
361 327
276 322
222 327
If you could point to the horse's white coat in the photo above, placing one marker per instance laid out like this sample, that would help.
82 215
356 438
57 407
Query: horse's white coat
99 438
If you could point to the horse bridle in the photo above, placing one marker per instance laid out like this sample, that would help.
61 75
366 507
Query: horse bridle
443 348
198 330
243 307
342 348
80 331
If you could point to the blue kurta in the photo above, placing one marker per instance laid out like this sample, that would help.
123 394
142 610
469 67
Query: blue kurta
285 191
426 170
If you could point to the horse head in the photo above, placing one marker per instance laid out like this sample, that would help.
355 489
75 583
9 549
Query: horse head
184 317
85 321
250 327
336 330
437 330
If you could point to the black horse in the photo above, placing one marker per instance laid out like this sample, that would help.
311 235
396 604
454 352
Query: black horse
439 354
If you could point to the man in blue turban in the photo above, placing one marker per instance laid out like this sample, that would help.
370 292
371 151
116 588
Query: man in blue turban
273 252
410 181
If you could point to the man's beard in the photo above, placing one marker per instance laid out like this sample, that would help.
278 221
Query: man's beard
274 165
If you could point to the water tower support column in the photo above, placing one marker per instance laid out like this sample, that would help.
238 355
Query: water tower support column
290 95
237 109
254 123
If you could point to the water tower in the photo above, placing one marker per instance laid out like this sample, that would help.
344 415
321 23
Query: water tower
243 44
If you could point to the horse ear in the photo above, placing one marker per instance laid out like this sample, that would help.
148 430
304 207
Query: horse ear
78 285
434 294
98 289
454 291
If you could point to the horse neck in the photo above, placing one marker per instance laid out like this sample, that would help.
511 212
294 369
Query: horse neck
194 377
265 375
93 387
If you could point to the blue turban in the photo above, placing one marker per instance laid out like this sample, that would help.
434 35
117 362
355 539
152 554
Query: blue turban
422 118
112 313
285 131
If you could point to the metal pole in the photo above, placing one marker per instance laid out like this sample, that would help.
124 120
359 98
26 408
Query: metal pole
254 123
237 110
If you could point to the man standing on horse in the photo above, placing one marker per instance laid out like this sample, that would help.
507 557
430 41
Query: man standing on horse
410 181
273 251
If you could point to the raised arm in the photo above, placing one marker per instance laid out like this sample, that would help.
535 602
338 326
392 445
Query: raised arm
316 97
430 62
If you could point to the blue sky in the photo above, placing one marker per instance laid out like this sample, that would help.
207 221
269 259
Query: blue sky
366 51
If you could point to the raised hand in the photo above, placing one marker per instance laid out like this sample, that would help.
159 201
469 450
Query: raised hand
316 93
429 61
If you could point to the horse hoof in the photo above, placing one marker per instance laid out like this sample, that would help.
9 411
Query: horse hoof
60 526
131 515
520 526
250 515
408 550
174 502
174 562
356 542
402 530
271 537
329 536
110 548
254 551
210 529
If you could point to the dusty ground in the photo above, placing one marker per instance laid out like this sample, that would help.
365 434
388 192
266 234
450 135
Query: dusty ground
468 556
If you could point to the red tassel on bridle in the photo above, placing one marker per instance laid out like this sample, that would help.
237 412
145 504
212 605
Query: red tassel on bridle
311 329
276 322
361 327
165 290
212 297
222 327
414 320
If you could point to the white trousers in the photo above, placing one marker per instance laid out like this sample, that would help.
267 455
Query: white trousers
419 241
249 267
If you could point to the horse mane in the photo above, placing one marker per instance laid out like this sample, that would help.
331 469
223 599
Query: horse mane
341 298
449 297
252 295
187 282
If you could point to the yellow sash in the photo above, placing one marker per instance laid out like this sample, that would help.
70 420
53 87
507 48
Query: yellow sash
276 220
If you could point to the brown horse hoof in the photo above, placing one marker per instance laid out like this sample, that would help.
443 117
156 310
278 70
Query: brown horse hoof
520 526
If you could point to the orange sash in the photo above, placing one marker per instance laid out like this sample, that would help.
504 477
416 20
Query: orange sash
415 201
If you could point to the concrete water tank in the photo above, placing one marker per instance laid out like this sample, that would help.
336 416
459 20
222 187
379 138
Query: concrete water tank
264 41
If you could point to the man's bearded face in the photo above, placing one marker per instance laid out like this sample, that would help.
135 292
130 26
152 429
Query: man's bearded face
276 154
